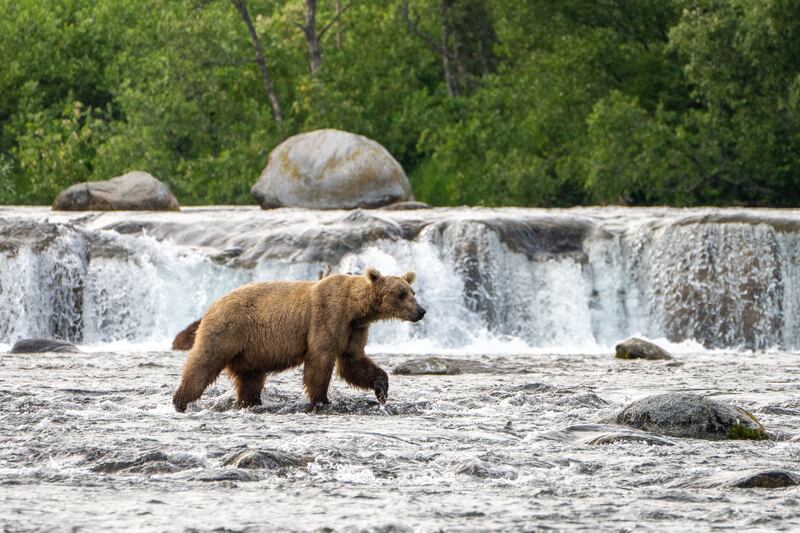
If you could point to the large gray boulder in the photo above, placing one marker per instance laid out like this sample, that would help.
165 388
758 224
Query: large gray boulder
689 415
134 191
634 348
331 169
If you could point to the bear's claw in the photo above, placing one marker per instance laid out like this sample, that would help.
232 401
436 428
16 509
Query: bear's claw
382 387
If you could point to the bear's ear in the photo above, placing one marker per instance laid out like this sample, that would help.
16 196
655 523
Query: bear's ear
373 275
410 277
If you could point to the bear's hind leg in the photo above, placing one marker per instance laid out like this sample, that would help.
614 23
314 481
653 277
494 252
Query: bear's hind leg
361 372
248 385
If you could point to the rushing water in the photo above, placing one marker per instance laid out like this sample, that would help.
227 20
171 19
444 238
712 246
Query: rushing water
91 441
533 298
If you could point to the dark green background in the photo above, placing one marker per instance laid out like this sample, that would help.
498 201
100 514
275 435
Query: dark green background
551 103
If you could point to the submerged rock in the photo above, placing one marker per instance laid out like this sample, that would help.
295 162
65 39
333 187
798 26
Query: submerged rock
635 348
263 459
185 339
132 191
43 345
331 169
764 479
151 462
690 415
626 438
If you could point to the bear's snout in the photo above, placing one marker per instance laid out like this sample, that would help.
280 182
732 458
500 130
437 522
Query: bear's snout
420 313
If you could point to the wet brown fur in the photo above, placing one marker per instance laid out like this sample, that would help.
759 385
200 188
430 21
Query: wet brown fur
185 339
264 328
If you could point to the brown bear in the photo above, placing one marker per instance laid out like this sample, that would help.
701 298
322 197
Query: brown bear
268 327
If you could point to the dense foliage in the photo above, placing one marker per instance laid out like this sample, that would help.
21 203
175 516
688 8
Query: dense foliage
492 102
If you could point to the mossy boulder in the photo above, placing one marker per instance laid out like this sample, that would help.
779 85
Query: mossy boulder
635 348
692 416
331 169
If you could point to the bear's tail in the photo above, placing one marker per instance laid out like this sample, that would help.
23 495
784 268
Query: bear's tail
185 339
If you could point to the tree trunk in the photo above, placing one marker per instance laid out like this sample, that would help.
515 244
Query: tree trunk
262 62
312 39
339 32
452 86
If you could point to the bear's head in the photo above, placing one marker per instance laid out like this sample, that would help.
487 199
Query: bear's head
394 297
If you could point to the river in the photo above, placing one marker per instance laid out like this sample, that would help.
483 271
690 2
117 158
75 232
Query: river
535 299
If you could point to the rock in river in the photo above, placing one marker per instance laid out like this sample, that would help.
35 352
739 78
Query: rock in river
767 479
331 169
134 191
263 459
634 348
43 345
439 366
690 415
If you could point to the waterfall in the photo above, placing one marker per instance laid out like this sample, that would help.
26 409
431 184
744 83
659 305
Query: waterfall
577 278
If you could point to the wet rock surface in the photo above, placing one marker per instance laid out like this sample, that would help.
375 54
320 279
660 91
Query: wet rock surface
635 348
43 345
691 416
331 169
132 191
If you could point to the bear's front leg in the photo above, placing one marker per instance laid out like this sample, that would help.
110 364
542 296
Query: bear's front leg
317 377
360 371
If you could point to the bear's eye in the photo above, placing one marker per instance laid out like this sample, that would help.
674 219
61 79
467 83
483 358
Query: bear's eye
403 295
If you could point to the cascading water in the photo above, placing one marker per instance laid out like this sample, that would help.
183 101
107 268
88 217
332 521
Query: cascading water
527 278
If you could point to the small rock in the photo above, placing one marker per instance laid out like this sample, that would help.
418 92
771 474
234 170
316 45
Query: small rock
634 348
227 253
263 459
43 345
692 416
768 479
406 206
429 366
132 191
